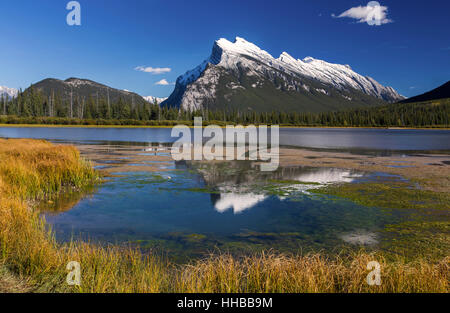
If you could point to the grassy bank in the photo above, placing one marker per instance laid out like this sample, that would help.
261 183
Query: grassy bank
32 260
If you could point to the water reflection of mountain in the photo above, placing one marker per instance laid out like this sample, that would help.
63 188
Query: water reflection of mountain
238 202
235 181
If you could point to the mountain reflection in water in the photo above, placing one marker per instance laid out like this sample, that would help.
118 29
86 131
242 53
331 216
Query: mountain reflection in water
191 208
235 182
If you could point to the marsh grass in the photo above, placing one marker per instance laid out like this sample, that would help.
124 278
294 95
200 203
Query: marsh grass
271 272
32 170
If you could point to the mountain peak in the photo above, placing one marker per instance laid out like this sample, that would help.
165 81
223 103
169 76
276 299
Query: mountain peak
242 61
77 82
286 57
72 79
242 47
308 60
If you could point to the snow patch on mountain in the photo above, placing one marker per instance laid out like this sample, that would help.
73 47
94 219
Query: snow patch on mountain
152 99
8 92
322 91
76 82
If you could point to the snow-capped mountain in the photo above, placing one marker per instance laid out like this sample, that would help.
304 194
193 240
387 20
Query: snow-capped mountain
240 75
152 99
9 92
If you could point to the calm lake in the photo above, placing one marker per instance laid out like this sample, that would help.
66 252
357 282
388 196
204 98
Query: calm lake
188 209
328 138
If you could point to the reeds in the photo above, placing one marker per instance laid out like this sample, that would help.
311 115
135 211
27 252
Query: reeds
32 170
273 273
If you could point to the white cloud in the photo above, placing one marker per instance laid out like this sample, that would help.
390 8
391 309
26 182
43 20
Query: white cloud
163 82
153 70
373 14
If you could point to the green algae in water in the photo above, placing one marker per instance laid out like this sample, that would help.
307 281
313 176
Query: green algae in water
423 230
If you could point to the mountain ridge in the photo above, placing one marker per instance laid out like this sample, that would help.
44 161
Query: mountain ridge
84 88
302 84
440 92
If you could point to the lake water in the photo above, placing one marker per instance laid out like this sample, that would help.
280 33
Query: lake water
188 209
326 138
192 208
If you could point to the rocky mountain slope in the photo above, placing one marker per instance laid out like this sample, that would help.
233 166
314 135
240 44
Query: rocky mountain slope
241 76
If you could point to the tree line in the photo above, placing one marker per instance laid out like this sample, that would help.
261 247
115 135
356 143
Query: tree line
34 107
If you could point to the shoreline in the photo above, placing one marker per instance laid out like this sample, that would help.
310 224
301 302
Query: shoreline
190 126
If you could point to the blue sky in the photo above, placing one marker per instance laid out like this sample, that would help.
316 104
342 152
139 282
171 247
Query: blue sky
410 53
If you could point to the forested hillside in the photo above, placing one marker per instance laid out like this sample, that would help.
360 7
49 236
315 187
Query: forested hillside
33 107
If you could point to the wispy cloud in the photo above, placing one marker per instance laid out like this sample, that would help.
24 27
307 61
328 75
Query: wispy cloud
153 70
373 14
163 82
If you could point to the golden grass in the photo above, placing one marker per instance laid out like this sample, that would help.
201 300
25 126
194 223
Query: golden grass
36 169
270 272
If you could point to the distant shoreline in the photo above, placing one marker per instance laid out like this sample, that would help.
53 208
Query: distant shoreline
190 126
